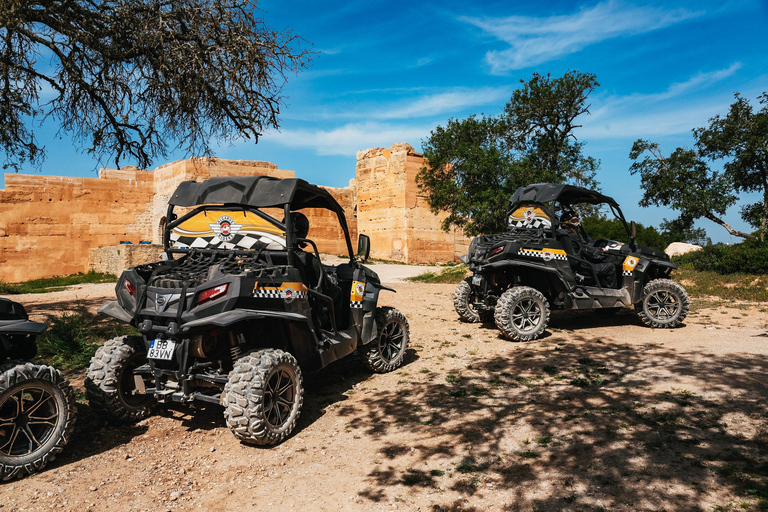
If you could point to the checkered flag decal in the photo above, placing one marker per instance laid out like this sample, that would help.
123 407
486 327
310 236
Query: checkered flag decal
263 293
257 241
535 223
543 254
356 304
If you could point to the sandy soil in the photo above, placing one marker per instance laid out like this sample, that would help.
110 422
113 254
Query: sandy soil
600 414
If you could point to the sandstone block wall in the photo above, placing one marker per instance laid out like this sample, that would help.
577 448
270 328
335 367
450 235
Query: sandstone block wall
394 214
115 259
49 225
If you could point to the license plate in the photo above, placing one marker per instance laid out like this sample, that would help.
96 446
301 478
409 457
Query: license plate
477 279
161 349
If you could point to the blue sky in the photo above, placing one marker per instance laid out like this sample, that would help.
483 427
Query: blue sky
391 71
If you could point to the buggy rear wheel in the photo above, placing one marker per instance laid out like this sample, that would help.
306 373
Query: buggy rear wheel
37 415
263 397
110 384
665 304
464 298
522 313
386 352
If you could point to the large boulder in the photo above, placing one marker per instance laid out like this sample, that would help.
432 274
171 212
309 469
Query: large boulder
678 248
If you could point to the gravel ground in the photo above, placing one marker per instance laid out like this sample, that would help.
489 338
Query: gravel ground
600 414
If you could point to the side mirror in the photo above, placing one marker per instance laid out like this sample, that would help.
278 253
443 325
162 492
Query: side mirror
363 248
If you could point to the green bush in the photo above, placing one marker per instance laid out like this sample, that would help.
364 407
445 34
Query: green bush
748 257
52 284
72 338
449 275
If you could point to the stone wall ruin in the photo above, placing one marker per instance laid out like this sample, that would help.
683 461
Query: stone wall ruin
52 225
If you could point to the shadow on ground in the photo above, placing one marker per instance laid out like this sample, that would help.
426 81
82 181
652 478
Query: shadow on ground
620 427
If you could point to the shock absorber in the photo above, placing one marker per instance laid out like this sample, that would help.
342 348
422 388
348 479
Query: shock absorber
234 346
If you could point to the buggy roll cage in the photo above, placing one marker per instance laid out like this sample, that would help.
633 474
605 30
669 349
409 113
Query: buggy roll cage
250 193
547 194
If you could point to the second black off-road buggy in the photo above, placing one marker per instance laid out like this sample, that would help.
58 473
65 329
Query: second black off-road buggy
37 404
517 276
237 311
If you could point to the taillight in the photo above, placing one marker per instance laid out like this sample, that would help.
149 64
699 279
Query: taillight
497 250
131 289
212 293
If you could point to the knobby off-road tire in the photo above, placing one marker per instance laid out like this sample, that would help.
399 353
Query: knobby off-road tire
263 397
386 351
37 415
522 313
665 304
110 384
463 298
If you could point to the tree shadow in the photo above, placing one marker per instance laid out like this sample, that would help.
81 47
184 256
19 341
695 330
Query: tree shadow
617 425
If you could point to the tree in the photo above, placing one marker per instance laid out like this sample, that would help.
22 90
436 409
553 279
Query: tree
475 164
685 182
741 137
133 78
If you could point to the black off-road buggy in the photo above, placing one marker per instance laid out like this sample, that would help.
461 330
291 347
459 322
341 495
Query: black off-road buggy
238 310
522 273
37 405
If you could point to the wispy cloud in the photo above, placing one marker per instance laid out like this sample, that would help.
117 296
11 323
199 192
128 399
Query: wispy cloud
660 114
423 104
348 139
534 40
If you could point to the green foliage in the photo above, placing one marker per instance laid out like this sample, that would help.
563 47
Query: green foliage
125 77
453 274
72 338
685 182
613 229
475 164
750 256
50 284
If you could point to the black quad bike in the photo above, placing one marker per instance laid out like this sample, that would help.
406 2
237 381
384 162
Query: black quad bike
517 276
237 310
37 405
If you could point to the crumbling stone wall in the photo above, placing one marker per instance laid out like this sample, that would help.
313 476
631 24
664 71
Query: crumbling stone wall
48 224
393 212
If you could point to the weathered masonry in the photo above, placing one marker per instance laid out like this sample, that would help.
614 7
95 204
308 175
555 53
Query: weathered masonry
52 225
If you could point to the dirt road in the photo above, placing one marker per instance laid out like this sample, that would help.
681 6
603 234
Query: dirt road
601 414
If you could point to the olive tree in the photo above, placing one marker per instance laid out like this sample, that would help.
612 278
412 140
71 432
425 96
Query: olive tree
131 79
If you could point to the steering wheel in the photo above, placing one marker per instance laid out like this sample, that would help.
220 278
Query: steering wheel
610 244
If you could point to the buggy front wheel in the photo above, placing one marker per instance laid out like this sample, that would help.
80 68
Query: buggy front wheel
522 313
386 352
665 304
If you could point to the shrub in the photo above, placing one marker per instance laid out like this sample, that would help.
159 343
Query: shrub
750 257
51 284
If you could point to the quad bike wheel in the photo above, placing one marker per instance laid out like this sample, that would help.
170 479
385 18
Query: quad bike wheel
110 384
665 304
263 397
37 415
522 313
386 352
464 298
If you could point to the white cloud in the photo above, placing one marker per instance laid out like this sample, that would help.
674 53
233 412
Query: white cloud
660 114
535 40
451 102
348 139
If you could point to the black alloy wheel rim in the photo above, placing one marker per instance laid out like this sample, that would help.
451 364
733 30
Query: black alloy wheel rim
391 341
28 417
526 315
663 305
279 397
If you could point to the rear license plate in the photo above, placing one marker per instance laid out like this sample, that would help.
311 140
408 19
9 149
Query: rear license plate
477 279
161 349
